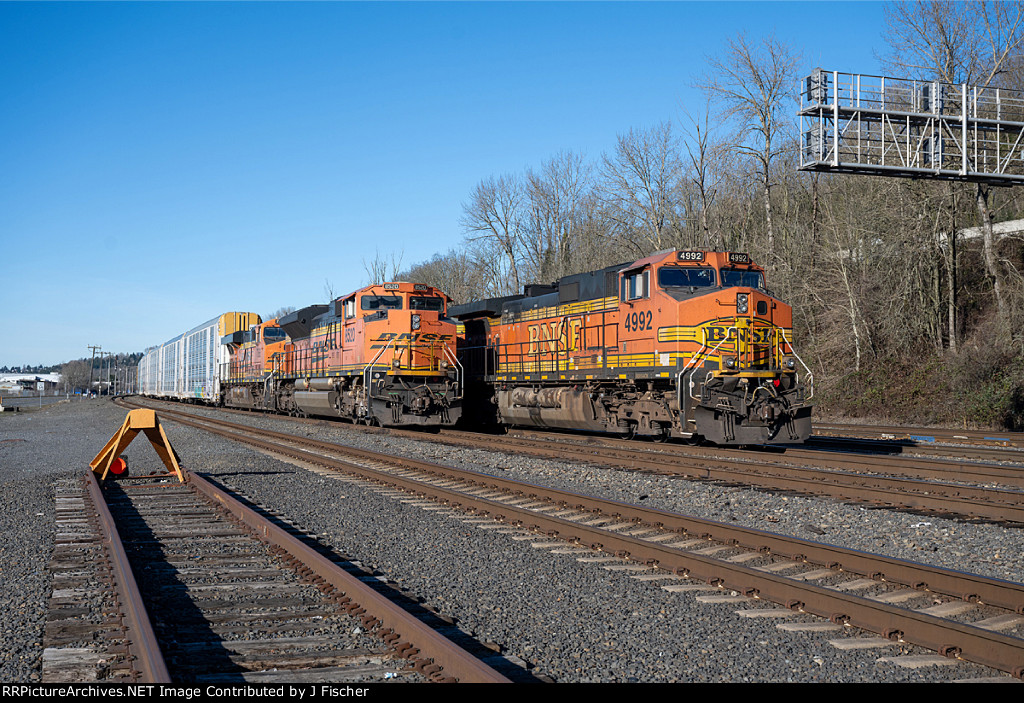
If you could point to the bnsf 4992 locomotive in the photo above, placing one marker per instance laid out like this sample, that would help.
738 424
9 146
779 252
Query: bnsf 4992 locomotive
687 344
383 355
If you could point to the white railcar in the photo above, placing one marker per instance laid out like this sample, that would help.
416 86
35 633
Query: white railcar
187 367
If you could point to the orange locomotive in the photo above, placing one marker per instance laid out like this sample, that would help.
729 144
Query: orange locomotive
686 344
383 355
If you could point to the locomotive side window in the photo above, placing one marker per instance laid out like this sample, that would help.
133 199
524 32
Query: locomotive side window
742 278
636 285
382 302
420 302
350 308
685 277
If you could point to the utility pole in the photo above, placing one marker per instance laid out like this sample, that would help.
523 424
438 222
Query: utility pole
93 361
106 375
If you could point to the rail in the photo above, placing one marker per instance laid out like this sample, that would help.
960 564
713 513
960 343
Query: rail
140 635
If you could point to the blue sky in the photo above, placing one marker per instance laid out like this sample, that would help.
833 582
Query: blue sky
163 163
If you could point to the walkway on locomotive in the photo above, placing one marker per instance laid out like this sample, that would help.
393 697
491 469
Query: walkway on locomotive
673 310
400 326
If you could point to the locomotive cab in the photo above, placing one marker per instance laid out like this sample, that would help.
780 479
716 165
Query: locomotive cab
741 383
380 355
412 374
247 381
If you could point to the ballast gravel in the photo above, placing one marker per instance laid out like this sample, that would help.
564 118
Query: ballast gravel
568 619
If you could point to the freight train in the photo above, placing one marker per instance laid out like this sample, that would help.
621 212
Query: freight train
681 344
382 355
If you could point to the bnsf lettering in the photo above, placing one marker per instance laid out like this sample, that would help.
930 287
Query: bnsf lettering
760 335
406 337
555 336
410 337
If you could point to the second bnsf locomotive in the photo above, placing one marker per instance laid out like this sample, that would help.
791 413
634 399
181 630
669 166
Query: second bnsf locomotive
685 344
383 355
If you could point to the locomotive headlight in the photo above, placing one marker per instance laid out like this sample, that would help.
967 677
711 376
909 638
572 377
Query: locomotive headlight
789 362
729 362
415 322
741 303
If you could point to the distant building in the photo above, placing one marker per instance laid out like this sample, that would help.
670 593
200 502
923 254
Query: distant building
14 383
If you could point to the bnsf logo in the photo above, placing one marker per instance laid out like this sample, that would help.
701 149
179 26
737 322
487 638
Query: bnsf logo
555 336
757 335
417 338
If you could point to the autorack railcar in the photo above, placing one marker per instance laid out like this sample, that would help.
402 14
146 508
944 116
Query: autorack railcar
187 367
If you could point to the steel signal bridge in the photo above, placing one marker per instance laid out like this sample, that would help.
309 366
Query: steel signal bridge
854 123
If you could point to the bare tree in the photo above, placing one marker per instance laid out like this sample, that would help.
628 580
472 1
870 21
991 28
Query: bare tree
704 173
752 82
493 222
452 272
957 42
282 311
560 200
382 269
75 374
640 185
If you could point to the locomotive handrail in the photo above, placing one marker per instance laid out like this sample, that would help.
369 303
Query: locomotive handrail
366 369
459 371
693 359
810 374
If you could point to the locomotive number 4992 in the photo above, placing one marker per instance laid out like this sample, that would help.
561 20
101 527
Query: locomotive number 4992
637 321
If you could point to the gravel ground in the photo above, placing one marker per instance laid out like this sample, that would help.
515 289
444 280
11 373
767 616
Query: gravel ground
572 621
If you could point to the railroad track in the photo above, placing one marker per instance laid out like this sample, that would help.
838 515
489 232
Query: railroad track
213 592
959 615
920 435
934 487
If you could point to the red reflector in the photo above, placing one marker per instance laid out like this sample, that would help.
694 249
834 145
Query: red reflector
118 466
777 383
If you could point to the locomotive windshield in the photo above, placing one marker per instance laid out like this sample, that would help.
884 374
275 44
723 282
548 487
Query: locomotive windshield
686 277
382 302
273 334
422 302
742 278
